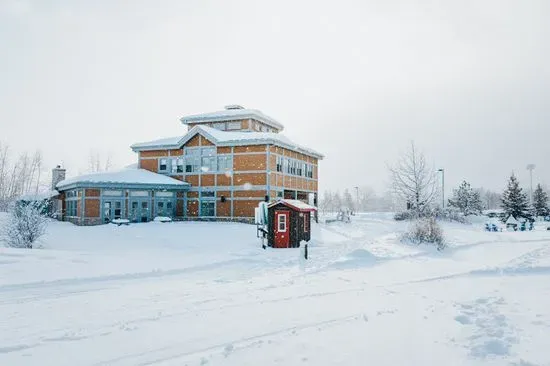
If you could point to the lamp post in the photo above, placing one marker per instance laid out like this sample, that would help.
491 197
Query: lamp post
442 187
357 198
531 167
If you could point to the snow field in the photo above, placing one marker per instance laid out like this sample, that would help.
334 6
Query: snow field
207 294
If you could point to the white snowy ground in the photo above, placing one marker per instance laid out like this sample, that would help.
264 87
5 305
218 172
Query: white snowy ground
207 294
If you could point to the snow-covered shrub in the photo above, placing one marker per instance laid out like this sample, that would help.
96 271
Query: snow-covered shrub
425 231
26 223
448 214
405 215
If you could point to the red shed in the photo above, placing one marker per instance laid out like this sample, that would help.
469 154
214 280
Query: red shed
289 222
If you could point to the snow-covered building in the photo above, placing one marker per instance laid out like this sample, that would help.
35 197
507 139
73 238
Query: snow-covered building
220 169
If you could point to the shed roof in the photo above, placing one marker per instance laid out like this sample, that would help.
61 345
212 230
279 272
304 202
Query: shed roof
226 138
295 205
232 113
124 178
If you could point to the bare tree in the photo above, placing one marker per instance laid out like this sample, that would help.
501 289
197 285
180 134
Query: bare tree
18 177
96 163
413 181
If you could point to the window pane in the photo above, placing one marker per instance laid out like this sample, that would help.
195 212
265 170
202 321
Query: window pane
208 194
234 125
207 208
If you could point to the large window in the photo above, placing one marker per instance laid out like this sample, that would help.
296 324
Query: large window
294 167
205 159
208 208
225 163
71 208
192 160
176 165
279 163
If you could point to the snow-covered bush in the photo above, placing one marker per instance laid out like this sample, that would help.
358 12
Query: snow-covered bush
425 231
448 214
405 215
26 223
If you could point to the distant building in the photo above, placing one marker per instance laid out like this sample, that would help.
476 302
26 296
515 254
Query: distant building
226 163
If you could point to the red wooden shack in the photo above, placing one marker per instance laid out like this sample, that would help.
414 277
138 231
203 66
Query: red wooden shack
289 223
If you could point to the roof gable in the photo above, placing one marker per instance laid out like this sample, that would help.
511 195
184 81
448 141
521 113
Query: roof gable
294 204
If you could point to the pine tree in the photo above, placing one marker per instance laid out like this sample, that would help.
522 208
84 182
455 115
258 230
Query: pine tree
514 200
540 202
466 200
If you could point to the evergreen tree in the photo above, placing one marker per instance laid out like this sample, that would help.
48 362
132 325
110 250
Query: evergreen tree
540 202
466 200
514 200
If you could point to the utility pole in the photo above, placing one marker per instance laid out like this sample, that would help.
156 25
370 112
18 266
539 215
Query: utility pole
531 167
442 187
357 198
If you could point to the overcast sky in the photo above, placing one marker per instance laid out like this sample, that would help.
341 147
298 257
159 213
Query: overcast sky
467 80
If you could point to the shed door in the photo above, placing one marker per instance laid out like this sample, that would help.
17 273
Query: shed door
282 229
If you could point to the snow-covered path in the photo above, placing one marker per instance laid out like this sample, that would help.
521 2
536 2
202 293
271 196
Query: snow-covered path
207 294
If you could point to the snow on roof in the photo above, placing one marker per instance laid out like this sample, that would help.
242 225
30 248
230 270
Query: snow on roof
512 220
296 204
40 196
227 138
123 176
165 142
230 114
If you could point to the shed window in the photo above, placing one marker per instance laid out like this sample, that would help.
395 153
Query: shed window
306 222
282 223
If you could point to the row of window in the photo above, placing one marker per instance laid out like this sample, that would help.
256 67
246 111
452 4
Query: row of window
227 126
294 167
203 159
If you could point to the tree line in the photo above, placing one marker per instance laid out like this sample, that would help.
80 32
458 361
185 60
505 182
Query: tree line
414 186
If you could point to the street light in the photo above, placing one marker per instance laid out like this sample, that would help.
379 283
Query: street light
442 187
357 197
531 167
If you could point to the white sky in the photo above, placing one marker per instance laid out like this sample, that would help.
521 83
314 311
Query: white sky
467 80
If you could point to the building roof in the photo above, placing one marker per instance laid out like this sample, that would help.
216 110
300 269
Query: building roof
232 113
124 178
226 138
295 205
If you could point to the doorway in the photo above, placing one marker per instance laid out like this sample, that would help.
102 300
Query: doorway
282 229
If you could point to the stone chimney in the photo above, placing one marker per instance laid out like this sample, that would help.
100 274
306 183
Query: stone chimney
58 174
